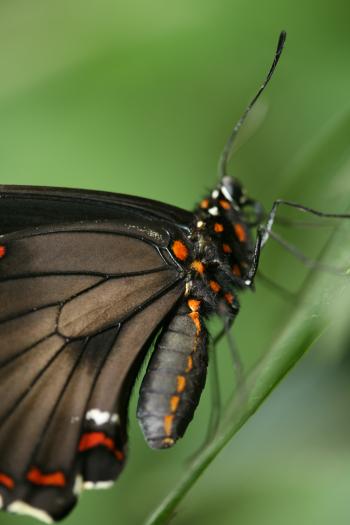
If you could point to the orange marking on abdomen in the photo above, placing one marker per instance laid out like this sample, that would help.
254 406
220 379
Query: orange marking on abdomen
229 297
174 403
218 228
168 424
195 318
189 364
180 250
215 286
224 204
236 270
240 232
204 204
193 304
2 250
95 439
54 479
227 248
181 383
198 266
6 481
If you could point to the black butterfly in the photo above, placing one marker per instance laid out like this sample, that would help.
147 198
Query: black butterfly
86 280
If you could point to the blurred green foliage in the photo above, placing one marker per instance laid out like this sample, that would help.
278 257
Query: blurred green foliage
139 97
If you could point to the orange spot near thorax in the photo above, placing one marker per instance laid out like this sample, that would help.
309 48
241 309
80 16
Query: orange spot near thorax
54 479
193 304
229 297
6 481
227 248
215 286
180 250
218 228
240 232
204 204
198 266
224 204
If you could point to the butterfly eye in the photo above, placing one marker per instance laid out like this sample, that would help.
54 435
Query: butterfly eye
233 190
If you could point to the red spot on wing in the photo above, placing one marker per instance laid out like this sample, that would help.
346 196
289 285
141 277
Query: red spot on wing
2 250
215 286
236 270
6 481
180 250
224 204
91 440
227 248
53 479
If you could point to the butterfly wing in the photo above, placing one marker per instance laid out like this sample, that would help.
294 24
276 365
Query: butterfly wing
80 303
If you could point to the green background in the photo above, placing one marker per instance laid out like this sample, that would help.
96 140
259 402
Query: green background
139 97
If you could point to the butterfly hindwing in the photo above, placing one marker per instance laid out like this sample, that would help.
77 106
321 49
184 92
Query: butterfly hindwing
80 304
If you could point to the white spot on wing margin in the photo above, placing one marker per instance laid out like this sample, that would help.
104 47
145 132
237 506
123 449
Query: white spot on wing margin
100 418
88 485
20 507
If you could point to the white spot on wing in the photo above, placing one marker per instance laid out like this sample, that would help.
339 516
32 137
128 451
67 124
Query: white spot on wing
100 417
78 485
88 485
215 194
20 507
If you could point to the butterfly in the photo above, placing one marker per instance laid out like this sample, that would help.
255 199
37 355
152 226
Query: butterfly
87 281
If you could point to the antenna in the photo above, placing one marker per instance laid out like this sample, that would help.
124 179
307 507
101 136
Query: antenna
226 154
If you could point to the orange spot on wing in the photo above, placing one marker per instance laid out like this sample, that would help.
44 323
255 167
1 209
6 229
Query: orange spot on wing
189 364
180 250
54 479
227 248
204 204
195 318
174 403
240 232
95 439
193 304
229 297
215 286
168 424
181 383
224 204
2 250
236 270
218 228
6 481
198 266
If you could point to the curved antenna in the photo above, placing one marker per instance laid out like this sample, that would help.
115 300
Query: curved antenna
226 154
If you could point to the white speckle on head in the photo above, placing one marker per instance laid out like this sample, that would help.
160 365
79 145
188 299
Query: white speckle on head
248 282
20 507
200 224
89 485
213 211
78 485
226 193
215 194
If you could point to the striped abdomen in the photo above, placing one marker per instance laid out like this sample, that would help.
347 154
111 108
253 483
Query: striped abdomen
175 377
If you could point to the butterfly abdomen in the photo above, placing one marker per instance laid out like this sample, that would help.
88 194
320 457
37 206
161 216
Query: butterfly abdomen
175 377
